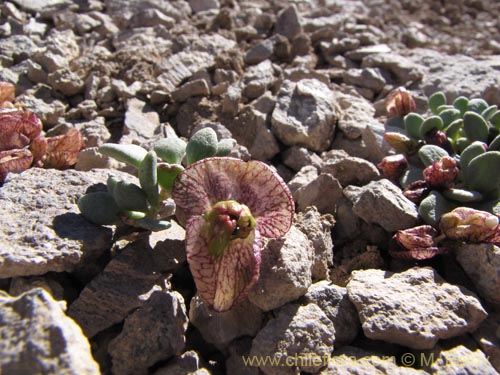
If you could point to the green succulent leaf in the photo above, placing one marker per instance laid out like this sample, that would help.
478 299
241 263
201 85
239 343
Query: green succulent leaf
470 152
495 120
475 127
171 150
203 144
461 103
452 131
135 215
443 108
129 154
463 196
111 184
225 146
489 112
495 144
431 153
130 197
148 178
409 176
413 122
482 173
449 115
433 207
461 144
153 225
435 101
99 208
167 173
433 122
477 105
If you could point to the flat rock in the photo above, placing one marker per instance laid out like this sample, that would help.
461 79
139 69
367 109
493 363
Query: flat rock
288 22
303 177
41 226
141 122
259 78
124 285
414 308
298 157
187 363
285 271
305 114
488 338
203 5
369 78
323 192
153 332
383 203
403 69
459 360
356 113
351 170
38 338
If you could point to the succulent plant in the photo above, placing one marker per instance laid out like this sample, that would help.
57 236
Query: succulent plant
143 205
22 143
230 205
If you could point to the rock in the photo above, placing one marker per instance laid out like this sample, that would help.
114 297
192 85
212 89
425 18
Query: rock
352 360
404 70
300 338
459 360
90 158
141 122
383 203
288 23
198 87
220 328
37 337
369 78
95 133
126 283
153 332
305 114
187 363
351 171
203 5
323 192
481 263
231 101
237 362
303 177
297 157
44 7
285 271
260 51
488 339
15 49
259 78
20 285
151 18
375 145
169 246
359 54
41 226
414 308
40 101
333 301
265 103
356 112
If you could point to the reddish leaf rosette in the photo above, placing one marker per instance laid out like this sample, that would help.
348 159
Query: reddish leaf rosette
219 195
399 103
416 243
62 150
14 161
18 128
470 225
442 173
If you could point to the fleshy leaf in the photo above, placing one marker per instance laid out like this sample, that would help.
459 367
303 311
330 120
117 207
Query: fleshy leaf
489 112
167 173
148 177
7 92
62 150
448 116
461 103
435 101
433 207
171 150
482 173
467 224
464 196
130 197
252 183
99 208
38 148
431 153
129 154
224 281
14 161
433 122
495 144
495 120
153 225
225 146
203 144
475 127
18 129
413 122
477 105
416 243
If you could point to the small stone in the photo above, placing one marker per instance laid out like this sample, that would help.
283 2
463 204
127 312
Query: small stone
403 69
153 332
198 87
169 246
298 157
303 177
95 133
260 52
383 203
414 308
333 301
459 360
488 338
203 5
351 171
375 145
150 18
300 338
20 285
231 101
187 363
259 78
237 363
37 337
323 192
220 328
288 23
362 52
265 103
141 122
285 271
369 78
40 101
90 158
357 112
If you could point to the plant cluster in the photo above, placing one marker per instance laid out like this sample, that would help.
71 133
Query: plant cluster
23 144
447 161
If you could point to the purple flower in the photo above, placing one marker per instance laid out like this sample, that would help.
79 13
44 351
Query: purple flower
416 243
470 225
230 205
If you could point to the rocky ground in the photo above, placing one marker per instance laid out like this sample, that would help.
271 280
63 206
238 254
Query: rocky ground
300 85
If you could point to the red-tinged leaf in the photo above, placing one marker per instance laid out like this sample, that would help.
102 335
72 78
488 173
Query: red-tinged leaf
417 237
470 225
253 183
14 161
7 92
62 151
419 253
226 280
38 148
11 134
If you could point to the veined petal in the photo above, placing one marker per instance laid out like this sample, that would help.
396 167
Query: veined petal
224 281
14 161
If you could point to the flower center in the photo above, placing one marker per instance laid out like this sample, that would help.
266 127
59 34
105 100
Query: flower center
227 221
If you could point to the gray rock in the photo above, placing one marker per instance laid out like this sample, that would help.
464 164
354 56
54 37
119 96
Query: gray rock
288 22
169 246
260 51
459 360
359 54
237 362
369 78
305 114
351 171
300 338
187 363
298 157
231 100
375 145
41 226
414 308
285 271
318 228
141 122
265 103
220 328
303 177
15 49
323 192
126 283
40 101
383 203
356 111
259 78
404 70
488 338
44 7
333 301
203 5
90 158
153 332
352 360
198 87
481 262
150 18
38 338
95 132
22 284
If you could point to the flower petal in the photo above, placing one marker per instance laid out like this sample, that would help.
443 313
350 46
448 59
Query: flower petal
63 149
252 183
224 281
14 161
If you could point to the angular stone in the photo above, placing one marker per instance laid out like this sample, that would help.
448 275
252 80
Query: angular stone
488 338
288 23
260 51
290 340
356 113
141 122
369 78
188 363
351 170
383 203
257 79
153 332
244 319
38 338
41 226
126 283
236 363
298 157
203 5
305 114
46 7
303 177
414 308
22 284
323 192
459 360
481 262
333 301
404 70
95 133
285 271
360 53
198 87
